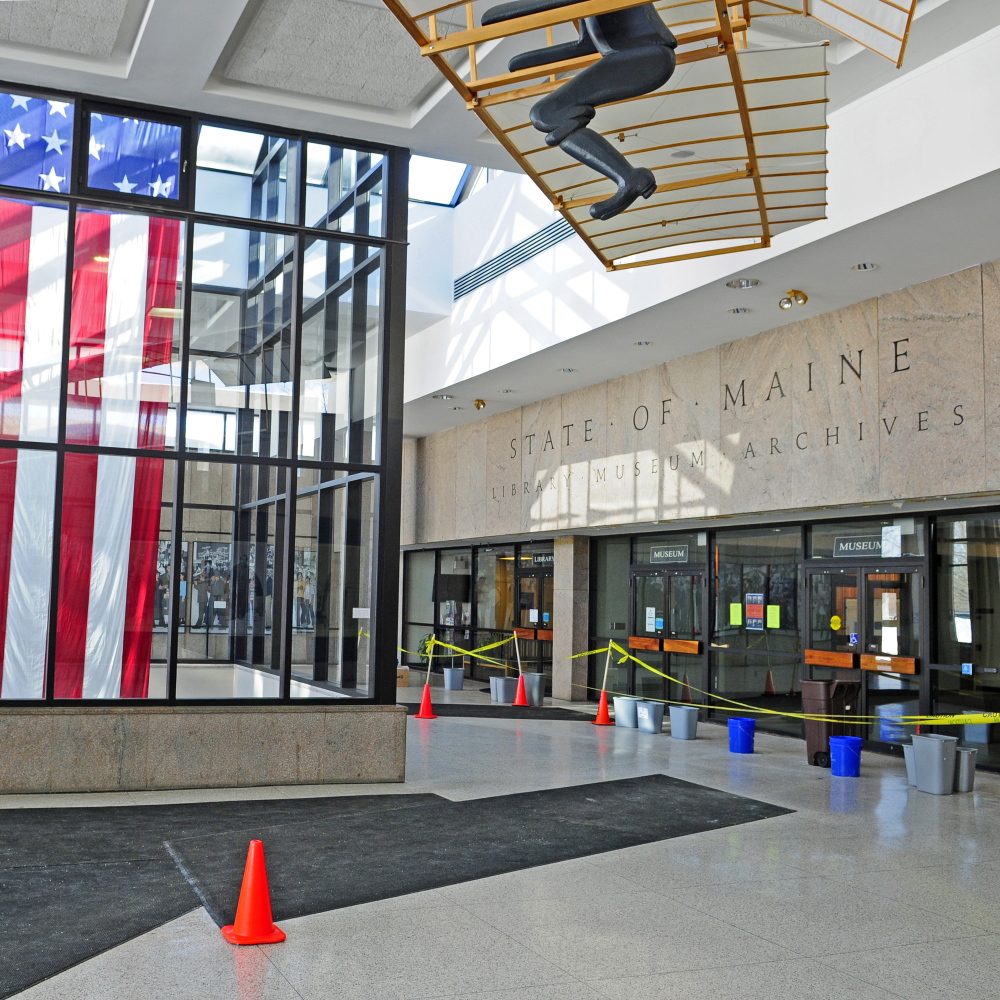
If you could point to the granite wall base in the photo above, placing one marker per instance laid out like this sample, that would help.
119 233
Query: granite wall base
121 748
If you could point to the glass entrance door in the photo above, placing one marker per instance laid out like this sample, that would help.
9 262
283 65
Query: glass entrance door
667 607
876 615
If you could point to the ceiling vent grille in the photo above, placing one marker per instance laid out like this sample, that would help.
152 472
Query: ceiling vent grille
512 257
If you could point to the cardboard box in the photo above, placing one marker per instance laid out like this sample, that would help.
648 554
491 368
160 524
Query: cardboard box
402 677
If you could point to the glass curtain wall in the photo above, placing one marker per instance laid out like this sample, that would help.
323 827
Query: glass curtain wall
968 626
472 597
195 470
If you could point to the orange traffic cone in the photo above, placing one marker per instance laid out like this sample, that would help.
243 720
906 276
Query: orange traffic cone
254 924
603 718
520 696
769 684
426 708
686 690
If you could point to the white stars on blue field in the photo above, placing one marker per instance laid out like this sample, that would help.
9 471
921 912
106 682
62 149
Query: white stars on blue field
134 156
35 151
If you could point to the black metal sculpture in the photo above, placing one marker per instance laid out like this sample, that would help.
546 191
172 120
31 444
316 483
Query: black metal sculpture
637 57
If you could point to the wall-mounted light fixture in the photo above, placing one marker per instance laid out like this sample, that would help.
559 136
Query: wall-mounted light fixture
479 404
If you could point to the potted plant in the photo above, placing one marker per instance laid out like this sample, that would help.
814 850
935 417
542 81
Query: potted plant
424 650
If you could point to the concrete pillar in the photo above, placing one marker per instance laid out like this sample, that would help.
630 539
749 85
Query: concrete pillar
571 617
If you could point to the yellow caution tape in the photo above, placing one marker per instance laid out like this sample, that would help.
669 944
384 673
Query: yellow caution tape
977 718
458 649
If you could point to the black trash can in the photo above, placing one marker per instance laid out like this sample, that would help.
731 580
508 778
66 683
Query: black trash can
827 698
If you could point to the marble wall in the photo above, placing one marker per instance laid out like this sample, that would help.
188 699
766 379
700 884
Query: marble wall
894 398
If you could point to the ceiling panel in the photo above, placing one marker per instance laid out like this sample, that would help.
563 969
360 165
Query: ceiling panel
345 51
88 27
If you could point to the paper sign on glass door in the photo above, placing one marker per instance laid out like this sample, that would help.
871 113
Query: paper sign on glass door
889 606
650 619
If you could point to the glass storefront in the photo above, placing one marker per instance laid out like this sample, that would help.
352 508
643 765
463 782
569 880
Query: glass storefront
472 597
193 420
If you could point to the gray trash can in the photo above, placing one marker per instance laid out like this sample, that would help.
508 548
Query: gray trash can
625 712
454 677
534 689
965 769
934 761
911 769
494 693
506 690
649 715
683 722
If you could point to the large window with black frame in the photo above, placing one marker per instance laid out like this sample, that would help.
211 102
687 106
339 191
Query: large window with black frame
200 417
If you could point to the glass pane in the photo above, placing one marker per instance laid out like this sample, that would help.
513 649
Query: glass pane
648 684
535 601
955 693
414 639
116 515
32 272
125 327
609 617
38 149
761 680
654 550
890 538
684 618
341 325
134 156
436 181
345 189
333 600
419 587
757 590
893 627
889 697
454 588
27 516
247 174
240 380
650 605
968 585
833 612
232 519
495 587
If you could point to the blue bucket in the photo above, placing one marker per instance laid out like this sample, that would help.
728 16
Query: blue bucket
845 756
741 733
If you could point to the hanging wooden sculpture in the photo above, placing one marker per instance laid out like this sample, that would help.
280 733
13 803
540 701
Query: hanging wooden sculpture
684 142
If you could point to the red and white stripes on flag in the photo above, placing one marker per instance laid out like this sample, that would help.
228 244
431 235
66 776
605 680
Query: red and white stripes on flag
125 267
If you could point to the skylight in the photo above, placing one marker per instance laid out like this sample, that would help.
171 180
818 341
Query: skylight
438 182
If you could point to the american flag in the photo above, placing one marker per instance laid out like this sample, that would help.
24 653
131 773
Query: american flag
36 142
124 294
133 156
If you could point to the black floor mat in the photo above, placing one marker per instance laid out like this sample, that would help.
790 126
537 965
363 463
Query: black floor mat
75 882
502 712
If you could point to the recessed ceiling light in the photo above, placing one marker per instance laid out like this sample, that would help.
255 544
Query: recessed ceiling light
458 407
643 343
742 283
864 267
682 154
505 390
442 395
567 370
739 310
